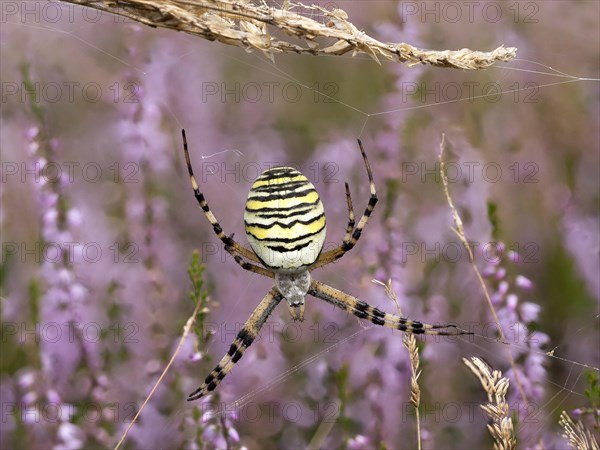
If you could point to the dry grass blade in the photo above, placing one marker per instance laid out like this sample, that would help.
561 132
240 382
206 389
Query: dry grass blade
410 342
246 25
579 437
460 232
495 385
186 331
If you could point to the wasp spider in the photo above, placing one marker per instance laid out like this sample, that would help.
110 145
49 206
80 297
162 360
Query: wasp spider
285 225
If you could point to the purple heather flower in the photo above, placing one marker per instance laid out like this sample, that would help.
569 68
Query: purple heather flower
500 273
195 357
496 297
26 379
32 133
359 442
71 437
529 311
514 316
212 434
29 398
488 271
512 301
53 397
513 256
523 282
233 434
74 217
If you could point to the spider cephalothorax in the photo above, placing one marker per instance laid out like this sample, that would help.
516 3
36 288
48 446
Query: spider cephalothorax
285 225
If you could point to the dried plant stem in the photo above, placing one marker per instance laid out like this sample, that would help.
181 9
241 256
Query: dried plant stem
459 230
246 25
579 437
186 331
501 426
410 342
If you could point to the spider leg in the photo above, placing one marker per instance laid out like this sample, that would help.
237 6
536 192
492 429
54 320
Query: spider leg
352 235
230 245
374 315
252 267
243 340
351 221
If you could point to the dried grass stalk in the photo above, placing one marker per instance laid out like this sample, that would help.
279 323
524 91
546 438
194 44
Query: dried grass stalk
501 426
460 232
410 342
579 437
247 25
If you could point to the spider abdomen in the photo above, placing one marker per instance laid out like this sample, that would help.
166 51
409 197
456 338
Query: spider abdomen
285 220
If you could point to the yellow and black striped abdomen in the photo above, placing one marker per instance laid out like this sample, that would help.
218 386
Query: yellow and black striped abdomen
285 220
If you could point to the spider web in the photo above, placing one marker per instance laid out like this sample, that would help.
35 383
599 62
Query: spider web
366 122
575 368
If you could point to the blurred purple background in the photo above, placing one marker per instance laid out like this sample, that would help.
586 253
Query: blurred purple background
99 223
